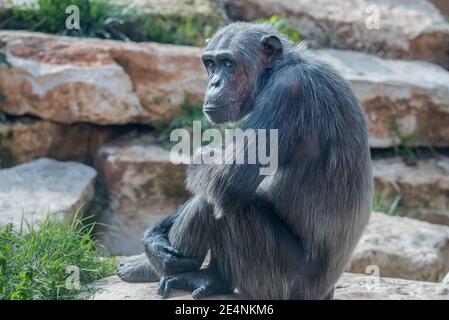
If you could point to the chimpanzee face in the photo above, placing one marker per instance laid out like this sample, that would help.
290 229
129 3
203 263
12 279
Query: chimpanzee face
234 66
228 87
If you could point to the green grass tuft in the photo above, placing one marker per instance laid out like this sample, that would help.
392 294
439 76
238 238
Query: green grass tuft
33 265
384 205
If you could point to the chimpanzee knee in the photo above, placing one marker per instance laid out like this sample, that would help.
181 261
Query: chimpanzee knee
177 243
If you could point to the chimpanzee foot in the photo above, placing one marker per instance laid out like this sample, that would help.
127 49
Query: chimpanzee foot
201 283
137 269
167 260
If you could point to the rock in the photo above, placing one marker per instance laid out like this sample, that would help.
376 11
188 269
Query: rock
403 248
113 288
423 189
89 80
443 6
446 279
349 287
35 188
362 287
69 79
405 29
143 186
26 139
404 100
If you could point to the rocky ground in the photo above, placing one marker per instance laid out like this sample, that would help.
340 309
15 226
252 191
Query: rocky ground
78 132
351 286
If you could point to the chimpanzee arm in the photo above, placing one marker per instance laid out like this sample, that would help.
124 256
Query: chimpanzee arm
190 252
279 106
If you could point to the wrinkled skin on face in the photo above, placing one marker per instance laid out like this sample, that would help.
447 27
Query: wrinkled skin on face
228 87
234 75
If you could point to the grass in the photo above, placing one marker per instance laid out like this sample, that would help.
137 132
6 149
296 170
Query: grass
97 18
103 19
34 264
384 205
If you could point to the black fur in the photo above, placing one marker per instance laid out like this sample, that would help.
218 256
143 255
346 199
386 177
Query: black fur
285 236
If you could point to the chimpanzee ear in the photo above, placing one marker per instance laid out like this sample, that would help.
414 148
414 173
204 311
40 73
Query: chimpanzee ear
272 49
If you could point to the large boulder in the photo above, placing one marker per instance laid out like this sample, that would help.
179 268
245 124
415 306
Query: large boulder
86 80
405 101
423 189
26 139
69 80
349 287
405 29
143 187
33 189
403 248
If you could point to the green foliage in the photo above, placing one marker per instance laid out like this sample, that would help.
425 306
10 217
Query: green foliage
283 26
189 113
387 206
177 30
102 19
33 265
98 18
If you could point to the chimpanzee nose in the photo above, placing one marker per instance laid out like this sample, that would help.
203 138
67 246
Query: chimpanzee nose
215 82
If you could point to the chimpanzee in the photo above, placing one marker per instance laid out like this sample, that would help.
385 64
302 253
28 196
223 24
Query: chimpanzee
288 235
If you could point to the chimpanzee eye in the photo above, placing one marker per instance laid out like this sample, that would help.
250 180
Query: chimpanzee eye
209 64
227 63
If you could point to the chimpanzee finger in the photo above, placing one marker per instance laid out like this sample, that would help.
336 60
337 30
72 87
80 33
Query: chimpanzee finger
201 292
161 286
169 285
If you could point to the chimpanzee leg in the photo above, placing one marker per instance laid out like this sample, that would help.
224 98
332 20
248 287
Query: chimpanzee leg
193 232
254 252
161 258
137 269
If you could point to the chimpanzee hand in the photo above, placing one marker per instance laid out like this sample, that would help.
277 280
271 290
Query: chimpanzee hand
202 283
167 260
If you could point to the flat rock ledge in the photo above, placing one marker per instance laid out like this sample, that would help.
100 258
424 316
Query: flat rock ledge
349 287
403 248
423 189
33 189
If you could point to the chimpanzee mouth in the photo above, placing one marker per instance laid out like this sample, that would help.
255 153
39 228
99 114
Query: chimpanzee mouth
213 108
